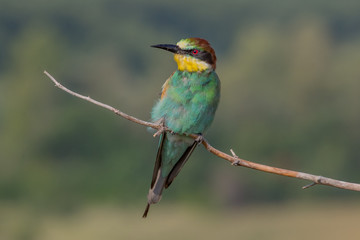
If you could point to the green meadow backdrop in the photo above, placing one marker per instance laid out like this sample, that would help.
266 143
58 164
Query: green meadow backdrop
290 73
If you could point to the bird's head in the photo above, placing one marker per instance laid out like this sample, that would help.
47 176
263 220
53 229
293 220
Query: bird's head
192 54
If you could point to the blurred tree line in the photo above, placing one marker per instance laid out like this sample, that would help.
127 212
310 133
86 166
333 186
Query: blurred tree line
290 93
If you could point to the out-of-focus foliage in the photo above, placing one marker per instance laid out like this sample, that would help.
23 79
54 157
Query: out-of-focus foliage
290 93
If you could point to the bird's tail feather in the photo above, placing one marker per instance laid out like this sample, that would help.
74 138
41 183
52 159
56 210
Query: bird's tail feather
155 192
146 210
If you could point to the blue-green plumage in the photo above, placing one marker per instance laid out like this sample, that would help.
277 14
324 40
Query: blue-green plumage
190 101
187 106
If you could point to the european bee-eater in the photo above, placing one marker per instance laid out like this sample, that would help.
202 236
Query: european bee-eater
188 102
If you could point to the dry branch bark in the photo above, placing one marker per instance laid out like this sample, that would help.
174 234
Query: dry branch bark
234 159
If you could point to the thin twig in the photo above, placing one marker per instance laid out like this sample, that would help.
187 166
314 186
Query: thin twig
309 185
234 160
114 110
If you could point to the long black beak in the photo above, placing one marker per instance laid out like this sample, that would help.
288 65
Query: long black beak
168 47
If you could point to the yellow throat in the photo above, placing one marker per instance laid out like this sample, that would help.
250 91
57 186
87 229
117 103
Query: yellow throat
190 64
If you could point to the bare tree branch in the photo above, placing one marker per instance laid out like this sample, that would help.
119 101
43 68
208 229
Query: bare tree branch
234 159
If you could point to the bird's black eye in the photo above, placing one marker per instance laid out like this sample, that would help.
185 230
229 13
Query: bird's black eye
195 51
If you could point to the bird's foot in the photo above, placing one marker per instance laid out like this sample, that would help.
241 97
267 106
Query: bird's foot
199 138
162 128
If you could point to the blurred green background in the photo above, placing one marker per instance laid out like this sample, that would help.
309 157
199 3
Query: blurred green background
290 74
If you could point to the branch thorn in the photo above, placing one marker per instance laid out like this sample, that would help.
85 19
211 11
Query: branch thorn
236 162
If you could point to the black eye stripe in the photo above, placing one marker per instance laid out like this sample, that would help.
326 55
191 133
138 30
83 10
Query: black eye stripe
202 55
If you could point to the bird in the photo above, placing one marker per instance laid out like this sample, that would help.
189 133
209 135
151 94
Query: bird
187 105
